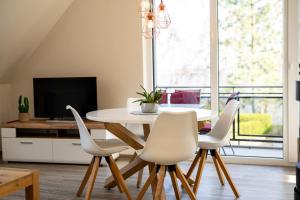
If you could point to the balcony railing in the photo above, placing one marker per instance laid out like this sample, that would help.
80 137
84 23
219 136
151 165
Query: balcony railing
260 118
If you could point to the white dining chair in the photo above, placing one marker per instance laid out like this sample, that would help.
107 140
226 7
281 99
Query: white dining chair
99 149
173 138
137 129
218 137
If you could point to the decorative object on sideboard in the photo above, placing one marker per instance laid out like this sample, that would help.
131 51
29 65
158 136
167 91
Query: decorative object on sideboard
297 188
149 102
23 109
154 20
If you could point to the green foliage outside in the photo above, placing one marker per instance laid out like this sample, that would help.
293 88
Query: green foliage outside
255 124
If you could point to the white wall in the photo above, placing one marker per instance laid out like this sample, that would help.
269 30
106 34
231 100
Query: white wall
5 105
23 25
99 38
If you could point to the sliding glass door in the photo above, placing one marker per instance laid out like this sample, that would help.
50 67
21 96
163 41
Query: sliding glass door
249 53
251 43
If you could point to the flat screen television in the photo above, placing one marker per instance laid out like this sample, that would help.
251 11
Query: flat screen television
51 95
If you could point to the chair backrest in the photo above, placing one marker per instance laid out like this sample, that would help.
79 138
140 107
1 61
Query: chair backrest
233 96
221 128
86 140
173 136
131 105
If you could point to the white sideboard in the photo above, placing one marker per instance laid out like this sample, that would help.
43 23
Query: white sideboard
46 142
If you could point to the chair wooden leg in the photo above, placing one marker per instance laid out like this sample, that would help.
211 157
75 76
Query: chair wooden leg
147 183
226 173
92 178
86 178
172 173
200 170
184 183
113 174
193 165
160 182
117 174
139 178
213 154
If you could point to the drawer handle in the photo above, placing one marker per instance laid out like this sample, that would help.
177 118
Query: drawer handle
22 142
76 143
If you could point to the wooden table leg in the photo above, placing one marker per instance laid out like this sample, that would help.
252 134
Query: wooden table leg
125 135
132 140
146 129
32 192
127 171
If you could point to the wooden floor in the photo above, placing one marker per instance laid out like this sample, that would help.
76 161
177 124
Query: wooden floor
60 182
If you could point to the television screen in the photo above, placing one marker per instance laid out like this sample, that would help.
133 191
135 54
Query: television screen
51 95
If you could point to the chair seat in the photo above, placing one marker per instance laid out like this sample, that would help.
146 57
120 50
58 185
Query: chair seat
111 146
210 142
161 159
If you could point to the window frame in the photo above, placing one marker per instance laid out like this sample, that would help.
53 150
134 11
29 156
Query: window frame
290 74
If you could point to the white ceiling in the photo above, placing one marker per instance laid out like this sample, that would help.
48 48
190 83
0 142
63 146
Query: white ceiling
23 26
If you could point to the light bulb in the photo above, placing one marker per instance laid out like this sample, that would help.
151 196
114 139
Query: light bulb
150 24
150 28
163 18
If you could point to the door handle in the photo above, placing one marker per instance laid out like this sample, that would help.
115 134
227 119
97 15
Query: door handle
76 143
26 142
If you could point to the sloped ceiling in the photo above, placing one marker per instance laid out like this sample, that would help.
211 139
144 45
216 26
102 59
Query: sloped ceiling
24 25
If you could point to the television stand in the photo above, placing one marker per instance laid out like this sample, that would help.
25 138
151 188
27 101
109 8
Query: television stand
60 121
39 140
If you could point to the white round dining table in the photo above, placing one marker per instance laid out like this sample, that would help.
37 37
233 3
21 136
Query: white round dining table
124 115
114 119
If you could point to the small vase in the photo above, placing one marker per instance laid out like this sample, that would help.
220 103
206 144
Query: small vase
24 117
149 107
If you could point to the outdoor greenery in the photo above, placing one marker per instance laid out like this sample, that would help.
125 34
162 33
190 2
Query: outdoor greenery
255 124
250 42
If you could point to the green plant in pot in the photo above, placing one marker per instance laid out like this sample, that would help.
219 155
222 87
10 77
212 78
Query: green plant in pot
23 109
150 100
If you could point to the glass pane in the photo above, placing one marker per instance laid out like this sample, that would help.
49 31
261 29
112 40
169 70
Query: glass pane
182 52
250 61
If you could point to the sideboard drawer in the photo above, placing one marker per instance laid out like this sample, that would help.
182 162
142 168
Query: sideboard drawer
27 149
69 151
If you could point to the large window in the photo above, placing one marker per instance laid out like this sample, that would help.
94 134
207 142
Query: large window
187 65
182 56
250 60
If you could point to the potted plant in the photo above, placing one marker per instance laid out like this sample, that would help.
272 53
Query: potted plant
150 100
23 109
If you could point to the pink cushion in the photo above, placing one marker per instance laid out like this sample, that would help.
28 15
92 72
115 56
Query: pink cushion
164 97
206 127
185 97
